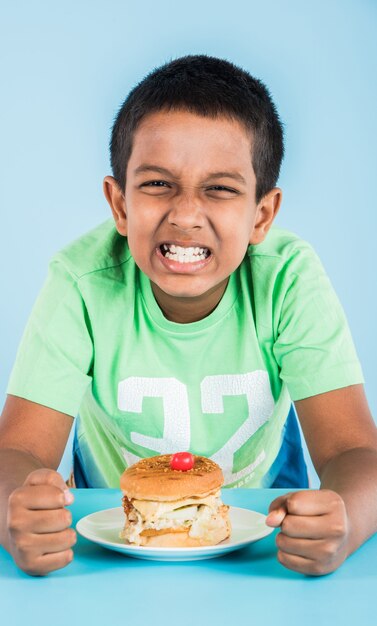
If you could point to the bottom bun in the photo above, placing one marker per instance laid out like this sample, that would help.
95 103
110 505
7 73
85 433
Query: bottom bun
183 539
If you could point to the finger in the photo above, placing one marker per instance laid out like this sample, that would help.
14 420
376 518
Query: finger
48 521
37 497
47 476
315 549
275 518
54 542
312 502
277 511
307 527
300 564
49 563
278 503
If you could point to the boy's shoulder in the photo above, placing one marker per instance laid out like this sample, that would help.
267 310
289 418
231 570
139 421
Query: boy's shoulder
99 249
281 245
282 257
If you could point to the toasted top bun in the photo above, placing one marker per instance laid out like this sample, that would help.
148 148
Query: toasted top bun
153 479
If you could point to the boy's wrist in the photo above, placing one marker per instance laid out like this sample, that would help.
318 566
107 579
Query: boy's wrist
15 466
358 491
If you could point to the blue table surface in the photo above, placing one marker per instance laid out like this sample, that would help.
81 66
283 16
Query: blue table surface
247 586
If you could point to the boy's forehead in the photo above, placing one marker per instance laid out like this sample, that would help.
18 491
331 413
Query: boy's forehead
184 137
181 120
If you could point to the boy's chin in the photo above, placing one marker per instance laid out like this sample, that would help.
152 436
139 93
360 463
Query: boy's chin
182 294
193 289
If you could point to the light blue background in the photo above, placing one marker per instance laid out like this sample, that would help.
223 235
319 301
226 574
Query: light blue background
68 65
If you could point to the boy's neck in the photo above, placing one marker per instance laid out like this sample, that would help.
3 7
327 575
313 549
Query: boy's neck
187 310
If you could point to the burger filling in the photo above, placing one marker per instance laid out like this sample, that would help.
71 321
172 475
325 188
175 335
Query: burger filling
200 517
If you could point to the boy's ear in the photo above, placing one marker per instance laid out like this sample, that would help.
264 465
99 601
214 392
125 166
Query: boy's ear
266 212
117 202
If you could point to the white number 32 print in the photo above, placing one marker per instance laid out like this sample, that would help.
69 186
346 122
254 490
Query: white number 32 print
176 435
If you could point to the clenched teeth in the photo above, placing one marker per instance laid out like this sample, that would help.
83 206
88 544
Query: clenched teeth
184 255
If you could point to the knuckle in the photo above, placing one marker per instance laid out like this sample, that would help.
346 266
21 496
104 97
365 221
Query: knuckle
286 524
279 540
32 568
329 550
64 559
31 571
334 498
64 537
28 564
68 517
68 557
294 501
337 503
338 529
50 477
280 556
15 498
62 518
318 569
57 497
37 477
71 536
14 523
23 545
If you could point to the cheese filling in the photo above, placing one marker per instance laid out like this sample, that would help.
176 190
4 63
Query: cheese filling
201 517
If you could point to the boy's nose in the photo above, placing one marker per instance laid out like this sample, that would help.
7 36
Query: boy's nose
186 212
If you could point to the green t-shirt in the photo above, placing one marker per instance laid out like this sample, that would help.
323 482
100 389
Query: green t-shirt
98 346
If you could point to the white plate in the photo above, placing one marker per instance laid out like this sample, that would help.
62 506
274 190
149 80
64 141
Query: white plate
104 527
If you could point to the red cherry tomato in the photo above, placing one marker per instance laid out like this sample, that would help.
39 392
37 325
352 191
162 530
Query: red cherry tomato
182 461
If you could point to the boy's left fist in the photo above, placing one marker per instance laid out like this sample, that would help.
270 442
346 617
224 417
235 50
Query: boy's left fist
314 530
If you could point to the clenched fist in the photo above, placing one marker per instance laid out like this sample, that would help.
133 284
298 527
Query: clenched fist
314 530
39 524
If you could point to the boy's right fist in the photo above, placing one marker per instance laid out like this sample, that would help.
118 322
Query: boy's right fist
39 524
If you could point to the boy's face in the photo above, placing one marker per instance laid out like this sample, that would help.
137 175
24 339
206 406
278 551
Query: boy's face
190 184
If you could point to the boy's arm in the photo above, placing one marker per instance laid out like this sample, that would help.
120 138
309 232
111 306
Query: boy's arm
320 528
34 525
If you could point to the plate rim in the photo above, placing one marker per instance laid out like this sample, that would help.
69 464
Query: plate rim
173 550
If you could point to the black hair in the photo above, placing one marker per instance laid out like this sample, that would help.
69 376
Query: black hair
209 87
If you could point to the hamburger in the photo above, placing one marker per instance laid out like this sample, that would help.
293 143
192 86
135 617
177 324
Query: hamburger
174 501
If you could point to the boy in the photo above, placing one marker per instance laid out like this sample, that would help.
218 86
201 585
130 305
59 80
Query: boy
191 324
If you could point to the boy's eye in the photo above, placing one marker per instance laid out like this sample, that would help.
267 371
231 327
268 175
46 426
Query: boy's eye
155 187
155 183
222 188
